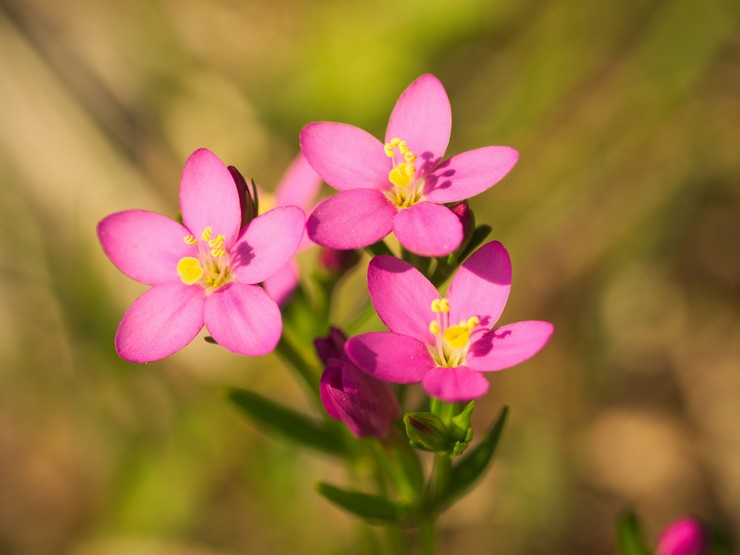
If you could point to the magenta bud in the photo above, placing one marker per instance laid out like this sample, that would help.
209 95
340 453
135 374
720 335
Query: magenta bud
685 536
338 262
247 202
331 346
366 405
463 212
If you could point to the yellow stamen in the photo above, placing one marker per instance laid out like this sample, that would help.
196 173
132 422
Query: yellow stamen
401 175
444 305
190 240
456 337
472 322
217 241
189 270
389 152
434 327
409 156
395 142
207 232
218 252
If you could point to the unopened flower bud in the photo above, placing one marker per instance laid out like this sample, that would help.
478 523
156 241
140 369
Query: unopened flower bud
366 405
338 262
427 432
247 196
465 214
683 537
331 346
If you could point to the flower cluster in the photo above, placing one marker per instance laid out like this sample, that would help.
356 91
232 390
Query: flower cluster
228 264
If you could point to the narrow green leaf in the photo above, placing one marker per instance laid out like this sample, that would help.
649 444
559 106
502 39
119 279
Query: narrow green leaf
629 534
371 508
471 468
286 422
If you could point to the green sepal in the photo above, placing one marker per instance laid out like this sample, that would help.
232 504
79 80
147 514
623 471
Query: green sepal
289 424
629 534
371 508
465 473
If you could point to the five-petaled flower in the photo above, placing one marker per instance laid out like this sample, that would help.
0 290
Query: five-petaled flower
445 342
202 271
400 185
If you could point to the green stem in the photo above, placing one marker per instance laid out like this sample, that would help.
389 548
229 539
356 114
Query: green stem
427 536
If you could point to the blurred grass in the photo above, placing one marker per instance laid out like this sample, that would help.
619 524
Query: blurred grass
622 218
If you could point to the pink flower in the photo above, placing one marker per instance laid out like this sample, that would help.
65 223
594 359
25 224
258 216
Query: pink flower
399 186
298 187
366 405
445 342
683 537
203 271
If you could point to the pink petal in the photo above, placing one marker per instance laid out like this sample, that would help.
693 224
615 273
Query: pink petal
455 385
144 245
345 156
267 244
209 197
480 287
243 319
402 297
422 117
428 229
508 346
470 173
160 322
351 220
299 185
389 356
281 284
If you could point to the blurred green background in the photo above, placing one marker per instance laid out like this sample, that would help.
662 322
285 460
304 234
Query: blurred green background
622 218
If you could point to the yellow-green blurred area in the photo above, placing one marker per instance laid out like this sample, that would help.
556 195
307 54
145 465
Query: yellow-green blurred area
622 218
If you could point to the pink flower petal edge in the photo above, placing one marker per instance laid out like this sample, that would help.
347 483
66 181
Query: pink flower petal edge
160 322
428 229
390 356
243 319
346 157
351 219
454 385
509 345
423 118
144 245
209 197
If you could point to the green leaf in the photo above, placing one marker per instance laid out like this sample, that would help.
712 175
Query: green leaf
479 235
629 535
288 423
471 468
371 508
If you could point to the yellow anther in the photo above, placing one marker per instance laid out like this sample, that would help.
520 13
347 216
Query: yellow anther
472 322
395 142
409 156
218 251
190 240
409 169
435 305
389 152
207 232
456 337
217 241
189 270
399 177
444 305
434 327
403 147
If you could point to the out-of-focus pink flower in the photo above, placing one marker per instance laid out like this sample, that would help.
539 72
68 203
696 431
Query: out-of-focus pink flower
203 271
298 187
683 537
366 405
400 185
445 342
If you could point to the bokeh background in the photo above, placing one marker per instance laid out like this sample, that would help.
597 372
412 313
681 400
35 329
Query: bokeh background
622 218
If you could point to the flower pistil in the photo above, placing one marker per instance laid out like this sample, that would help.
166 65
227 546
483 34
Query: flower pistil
451 341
